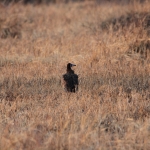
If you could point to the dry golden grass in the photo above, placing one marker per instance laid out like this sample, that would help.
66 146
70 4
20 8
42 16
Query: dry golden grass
111 110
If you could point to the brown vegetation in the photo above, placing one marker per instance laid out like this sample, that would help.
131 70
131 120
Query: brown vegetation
136 19
111 109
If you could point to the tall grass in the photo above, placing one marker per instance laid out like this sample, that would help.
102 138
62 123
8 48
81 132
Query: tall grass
111 110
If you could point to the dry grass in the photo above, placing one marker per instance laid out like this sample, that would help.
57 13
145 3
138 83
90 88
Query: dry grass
111 110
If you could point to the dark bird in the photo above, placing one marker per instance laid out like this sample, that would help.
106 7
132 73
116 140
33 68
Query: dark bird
70 79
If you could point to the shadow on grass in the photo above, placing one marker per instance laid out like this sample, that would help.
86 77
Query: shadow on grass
23 87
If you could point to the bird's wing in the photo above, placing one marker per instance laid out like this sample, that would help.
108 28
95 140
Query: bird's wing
75 79
76 82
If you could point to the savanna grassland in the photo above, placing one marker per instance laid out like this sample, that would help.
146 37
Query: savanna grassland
109 43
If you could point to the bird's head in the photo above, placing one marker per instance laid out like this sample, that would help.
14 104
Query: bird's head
69 65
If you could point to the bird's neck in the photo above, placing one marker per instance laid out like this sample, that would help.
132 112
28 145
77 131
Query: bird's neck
70 71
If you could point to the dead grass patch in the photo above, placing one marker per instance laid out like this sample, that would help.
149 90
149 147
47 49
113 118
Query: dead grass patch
111 110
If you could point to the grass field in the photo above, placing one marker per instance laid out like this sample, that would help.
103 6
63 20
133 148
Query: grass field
109 43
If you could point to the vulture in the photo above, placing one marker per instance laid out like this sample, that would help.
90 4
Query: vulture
70 79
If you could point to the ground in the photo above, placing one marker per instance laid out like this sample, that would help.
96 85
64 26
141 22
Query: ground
109 43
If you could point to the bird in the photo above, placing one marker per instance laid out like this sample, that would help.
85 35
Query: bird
70 79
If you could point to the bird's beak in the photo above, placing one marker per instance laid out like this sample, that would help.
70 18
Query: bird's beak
73 65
